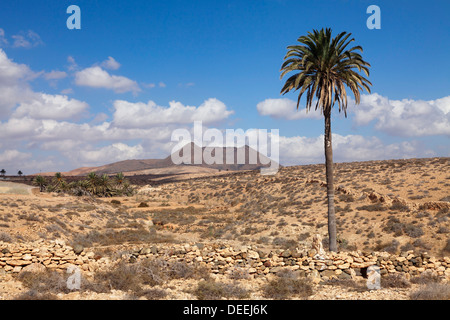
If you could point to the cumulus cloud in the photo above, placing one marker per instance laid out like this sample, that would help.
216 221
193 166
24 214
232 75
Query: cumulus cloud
13 155
303 150
10 157
17 94
11 72
111 153
407 117
14 85
46 130
46 106
96 77
285 109
110 64
141 115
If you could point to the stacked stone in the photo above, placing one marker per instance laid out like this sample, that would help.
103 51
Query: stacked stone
225 259
54 255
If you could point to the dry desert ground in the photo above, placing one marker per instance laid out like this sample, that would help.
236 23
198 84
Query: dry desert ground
236 236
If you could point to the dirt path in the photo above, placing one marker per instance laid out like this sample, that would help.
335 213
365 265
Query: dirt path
7 187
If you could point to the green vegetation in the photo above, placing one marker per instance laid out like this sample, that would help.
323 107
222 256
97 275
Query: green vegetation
92 185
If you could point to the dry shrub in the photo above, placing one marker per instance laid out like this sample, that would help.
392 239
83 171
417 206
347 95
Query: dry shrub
358 286
113 237
432 291
395 281
127 276
426 278
47 282
286 285
5 237
123 276
34 295
154 294
212 290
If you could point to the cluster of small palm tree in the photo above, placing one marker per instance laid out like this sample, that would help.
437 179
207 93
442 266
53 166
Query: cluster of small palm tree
93 185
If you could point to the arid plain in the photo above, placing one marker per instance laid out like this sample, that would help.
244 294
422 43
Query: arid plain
396 206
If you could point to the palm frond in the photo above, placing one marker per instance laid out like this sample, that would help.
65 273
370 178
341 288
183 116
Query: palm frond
323 67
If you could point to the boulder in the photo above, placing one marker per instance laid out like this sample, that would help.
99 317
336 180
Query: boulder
34 267
78 248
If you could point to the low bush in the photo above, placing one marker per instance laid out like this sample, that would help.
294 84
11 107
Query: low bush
212 290
432 291
395 281
372 207
287 285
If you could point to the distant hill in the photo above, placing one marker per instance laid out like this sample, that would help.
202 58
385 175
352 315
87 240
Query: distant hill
167 166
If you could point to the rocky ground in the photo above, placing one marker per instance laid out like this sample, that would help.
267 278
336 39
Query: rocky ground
385 206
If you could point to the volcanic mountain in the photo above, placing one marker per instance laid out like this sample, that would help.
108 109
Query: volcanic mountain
189 159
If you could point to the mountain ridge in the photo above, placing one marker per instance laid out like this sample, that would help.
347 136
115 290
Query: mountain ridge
136 166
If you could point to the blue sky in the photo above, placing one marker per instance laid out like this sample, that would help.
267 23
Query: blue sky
73 94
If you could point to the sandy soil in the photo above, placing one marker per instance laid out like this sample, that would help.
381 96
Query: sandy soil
393 205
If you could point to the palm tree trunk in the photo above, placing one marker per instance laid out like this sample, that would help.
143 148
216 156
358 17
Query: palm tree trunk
330 183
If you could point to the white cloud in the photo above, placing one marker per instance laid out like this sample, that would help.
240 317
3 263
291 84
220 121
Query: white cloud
67 91
285 109
110 64
27 40
112 153
14 86
72 64
303 150
16 93
407 117
8 157
149 85
45 130
96 77
3 40
46 106
162 85
55 75
186 85
11 72
142 115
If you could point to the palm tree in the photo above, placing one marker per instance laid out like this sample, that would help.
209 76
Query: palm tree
3 172
58 177
104 184
93 180
41 182
59 181
120 178
324 67
20 173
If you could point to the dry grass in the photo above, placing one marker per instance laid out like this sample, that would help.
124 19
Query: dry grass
287 285
213 290
432 291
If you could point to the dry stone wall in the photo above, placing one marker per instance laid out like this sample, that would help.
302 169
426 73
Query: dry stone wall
222 259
